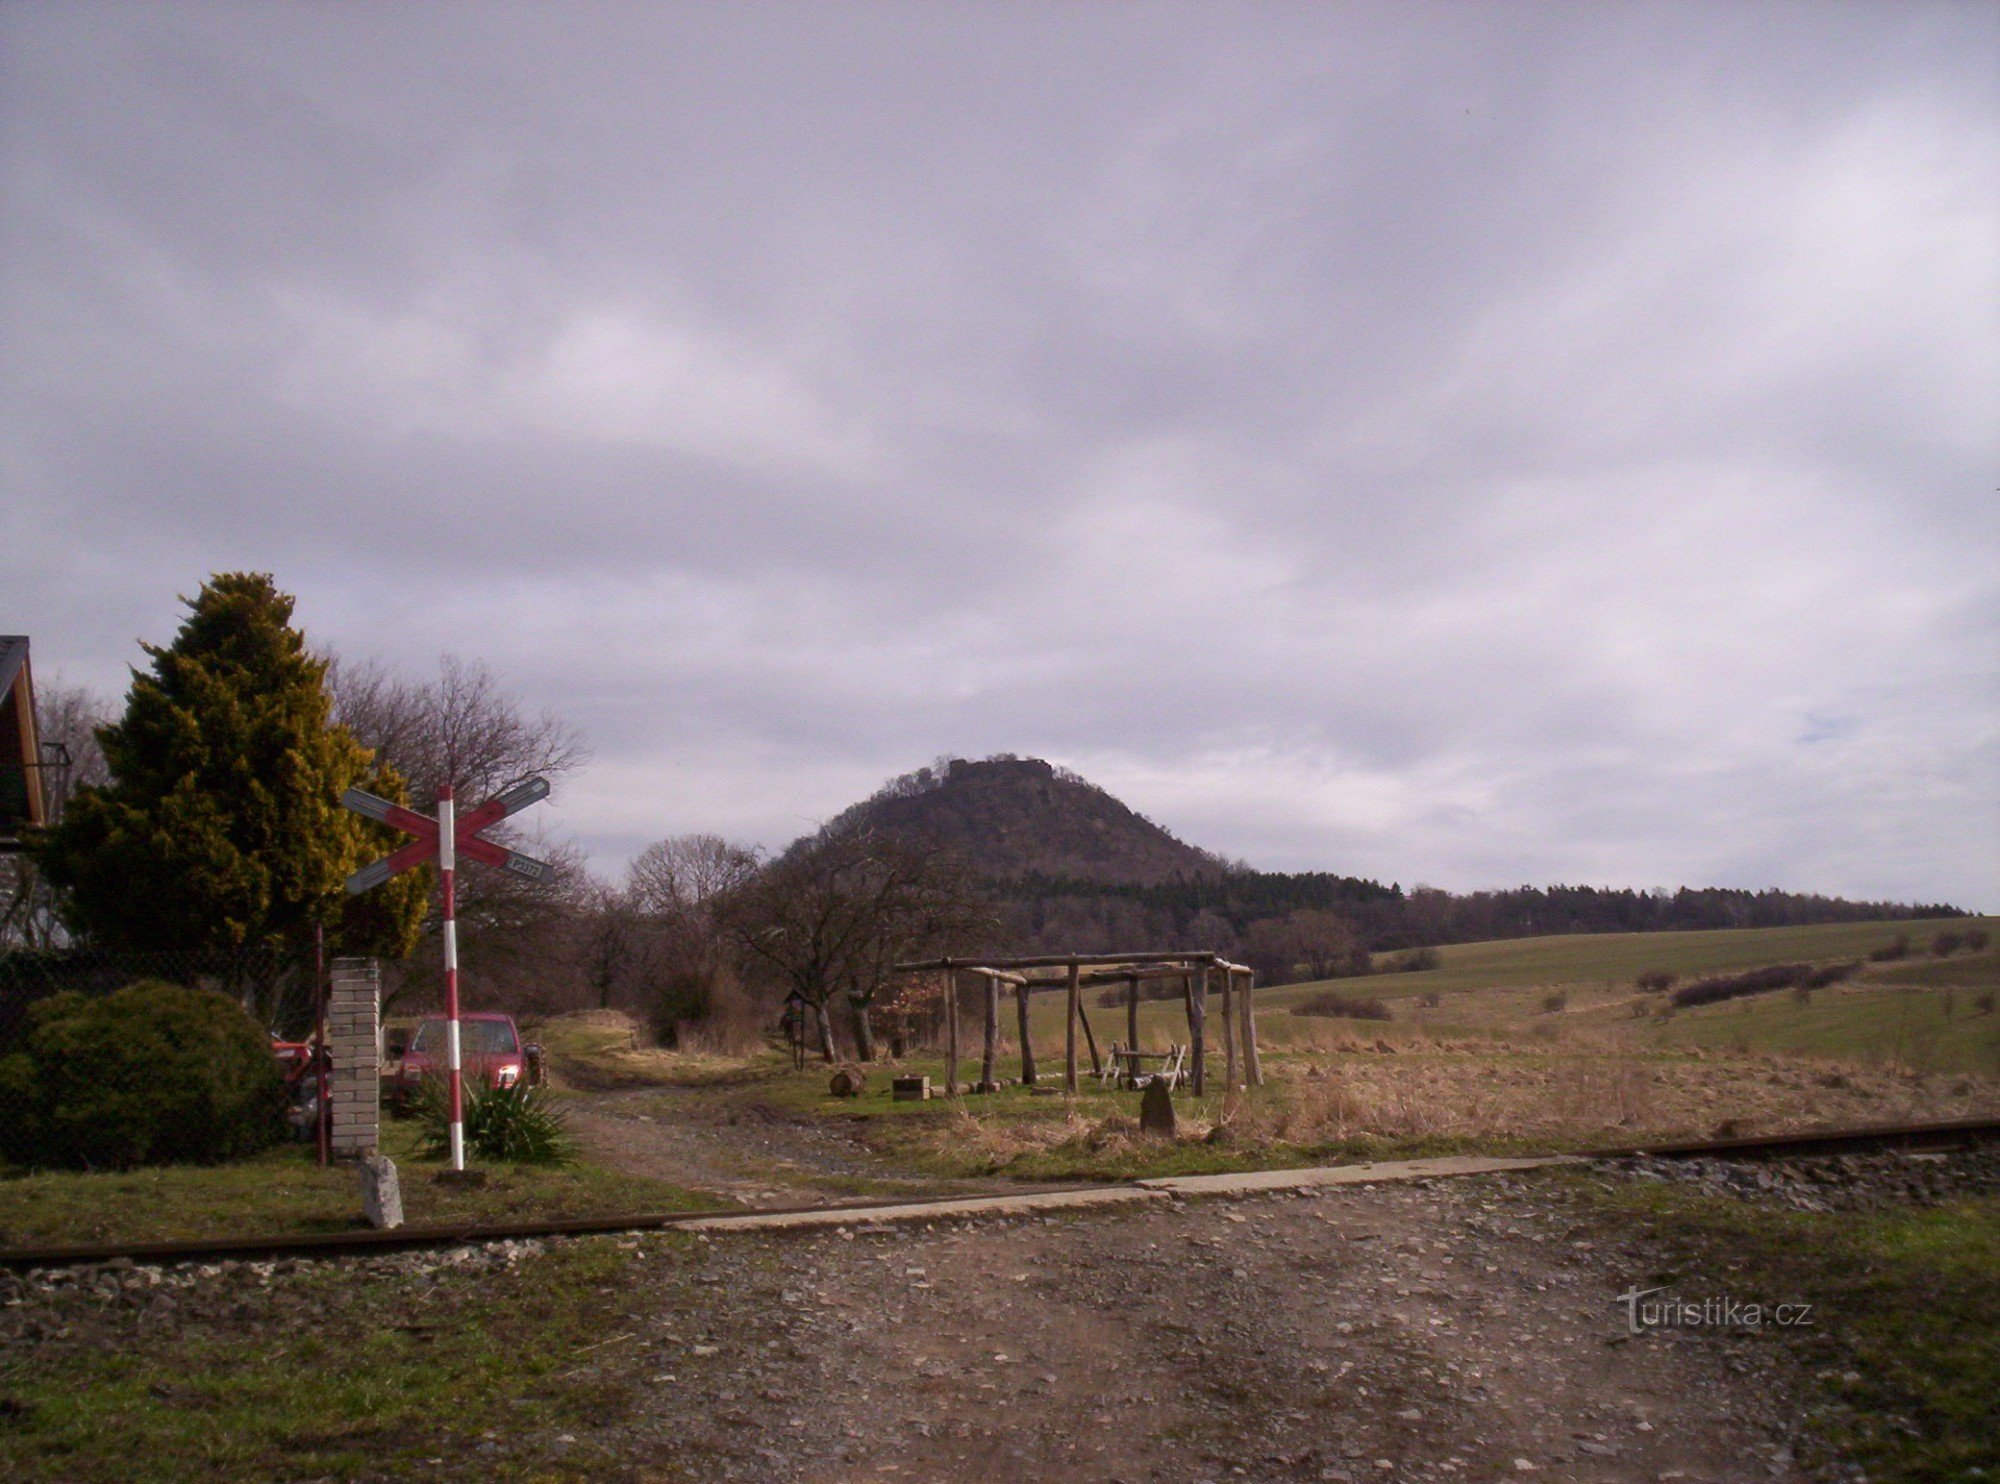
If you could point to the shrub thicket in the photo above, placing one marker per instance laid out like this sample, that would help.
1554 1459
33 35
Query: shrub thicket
1897 947
1351 1007
153 1074
1413 962
1760 981
1657 981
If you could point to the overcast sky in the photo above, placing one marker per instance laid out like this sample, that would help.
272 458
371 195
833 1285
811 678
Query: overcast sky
1465 443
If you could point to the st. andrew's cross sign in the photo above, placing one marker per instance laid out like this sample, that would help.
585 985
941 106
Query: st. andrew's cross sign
447 837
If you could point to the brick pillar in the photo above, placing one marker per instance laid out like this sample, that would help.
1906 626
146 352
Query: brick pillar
354 1048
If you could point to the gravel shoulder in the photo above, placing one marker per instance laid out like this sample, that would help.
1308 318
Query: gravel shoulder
1446 1329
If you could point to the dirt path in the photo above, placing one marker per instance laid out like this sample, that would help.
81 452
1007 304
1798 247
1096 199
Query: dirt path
1445 1331
745 1153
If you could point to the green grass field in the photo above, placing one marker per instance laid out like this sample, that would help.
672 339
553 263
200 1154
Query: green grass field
1910 1300
1926 1030
1616 959
1919 1011
285 1192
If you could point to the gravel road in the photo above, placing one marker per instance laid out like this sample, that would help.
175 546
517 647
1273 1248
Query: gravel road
1442 1329
1451 1330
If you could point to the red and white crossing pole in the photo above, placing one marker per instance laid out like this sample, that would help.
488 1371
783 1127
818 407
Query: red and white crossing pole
445 837
454 1064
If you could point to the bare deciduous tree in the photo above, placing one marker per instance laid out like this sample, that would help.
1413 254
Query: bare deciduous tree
1327 945
462 728
1309 944
687 874
676 946
833 915
522 940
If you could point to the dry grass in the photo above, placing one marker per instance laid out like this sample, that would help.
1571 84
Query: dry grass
1569 1098
1430 1098
603 1050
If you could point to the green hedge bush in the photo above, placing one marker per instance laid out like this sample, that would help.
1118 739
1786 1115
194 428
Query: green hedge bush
153 1074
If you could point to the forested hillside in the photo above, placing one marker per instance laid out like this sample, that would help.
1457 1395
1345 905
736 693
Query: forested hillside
1072 868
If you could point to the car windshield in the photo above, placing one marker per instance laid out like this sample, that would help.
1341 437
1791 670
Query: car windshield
475 1038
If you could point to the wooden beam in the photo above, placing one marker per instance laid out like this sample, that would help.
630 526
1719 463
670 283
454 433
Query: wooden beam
1089 1038
1252 1067
989 1061
1229 1080
1094 977
1197 1002
1027 1037
1132 1012
1069 1037
951 1034
1061 961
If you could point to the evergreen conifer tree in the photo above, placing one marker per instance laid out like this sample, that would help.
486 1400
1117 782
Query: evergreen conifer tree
221 828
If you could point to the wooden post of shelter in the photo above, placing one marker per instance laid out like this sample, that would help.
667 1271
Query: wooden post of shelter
1132 1015
1229 1061
1252 1068
951 1033
1197 1000
1069 1038
1028 1073
1089 1038
989 1061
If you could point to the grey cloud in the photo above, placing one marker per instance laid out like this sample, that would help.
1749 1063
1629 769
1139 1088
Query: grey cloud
1516 444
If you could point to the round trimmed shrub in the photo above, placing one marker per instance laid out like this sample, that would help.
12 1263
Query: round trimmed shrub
153 1074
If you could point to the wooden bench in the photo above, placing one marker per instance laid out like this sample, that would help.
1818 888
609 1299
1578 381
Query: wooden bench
1127 1067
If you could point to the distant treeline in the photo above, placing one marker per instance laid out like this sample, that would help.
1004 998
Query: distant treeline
1389 918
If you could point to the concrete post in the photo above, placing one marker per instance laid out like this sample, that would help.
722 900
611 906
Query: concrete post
354 1047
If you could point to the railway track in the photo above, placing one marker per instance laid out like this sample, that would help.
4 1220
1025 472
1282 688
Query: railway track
1952 1133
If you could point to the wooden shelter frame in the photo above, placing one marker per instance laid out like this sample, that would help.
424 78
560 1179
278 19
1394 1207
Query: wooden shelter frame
1080 971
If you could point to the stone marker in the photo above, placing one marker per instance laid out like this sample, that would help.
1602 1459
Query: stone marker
1156 1109
381 1193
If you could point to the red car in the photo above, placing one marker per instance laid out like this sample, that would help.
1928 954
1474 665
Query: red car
490 1052
299 1064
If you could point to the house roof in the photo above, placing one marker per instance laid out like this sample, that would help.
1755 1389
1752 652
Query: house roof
13 659
21 794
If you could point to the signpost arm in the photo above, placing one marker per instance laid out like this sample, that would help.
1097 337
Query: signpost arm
454 1064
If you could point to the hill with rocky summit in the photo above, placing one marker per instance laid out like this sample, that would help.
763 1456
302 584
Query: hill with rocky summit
1074 870
1016 818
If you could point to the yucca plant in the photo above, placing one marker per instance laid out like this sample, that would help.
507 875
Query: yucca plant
519 1124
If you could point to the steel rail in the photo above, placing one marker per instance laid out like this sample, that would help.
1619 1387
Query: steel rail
365 1243
1806 1141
